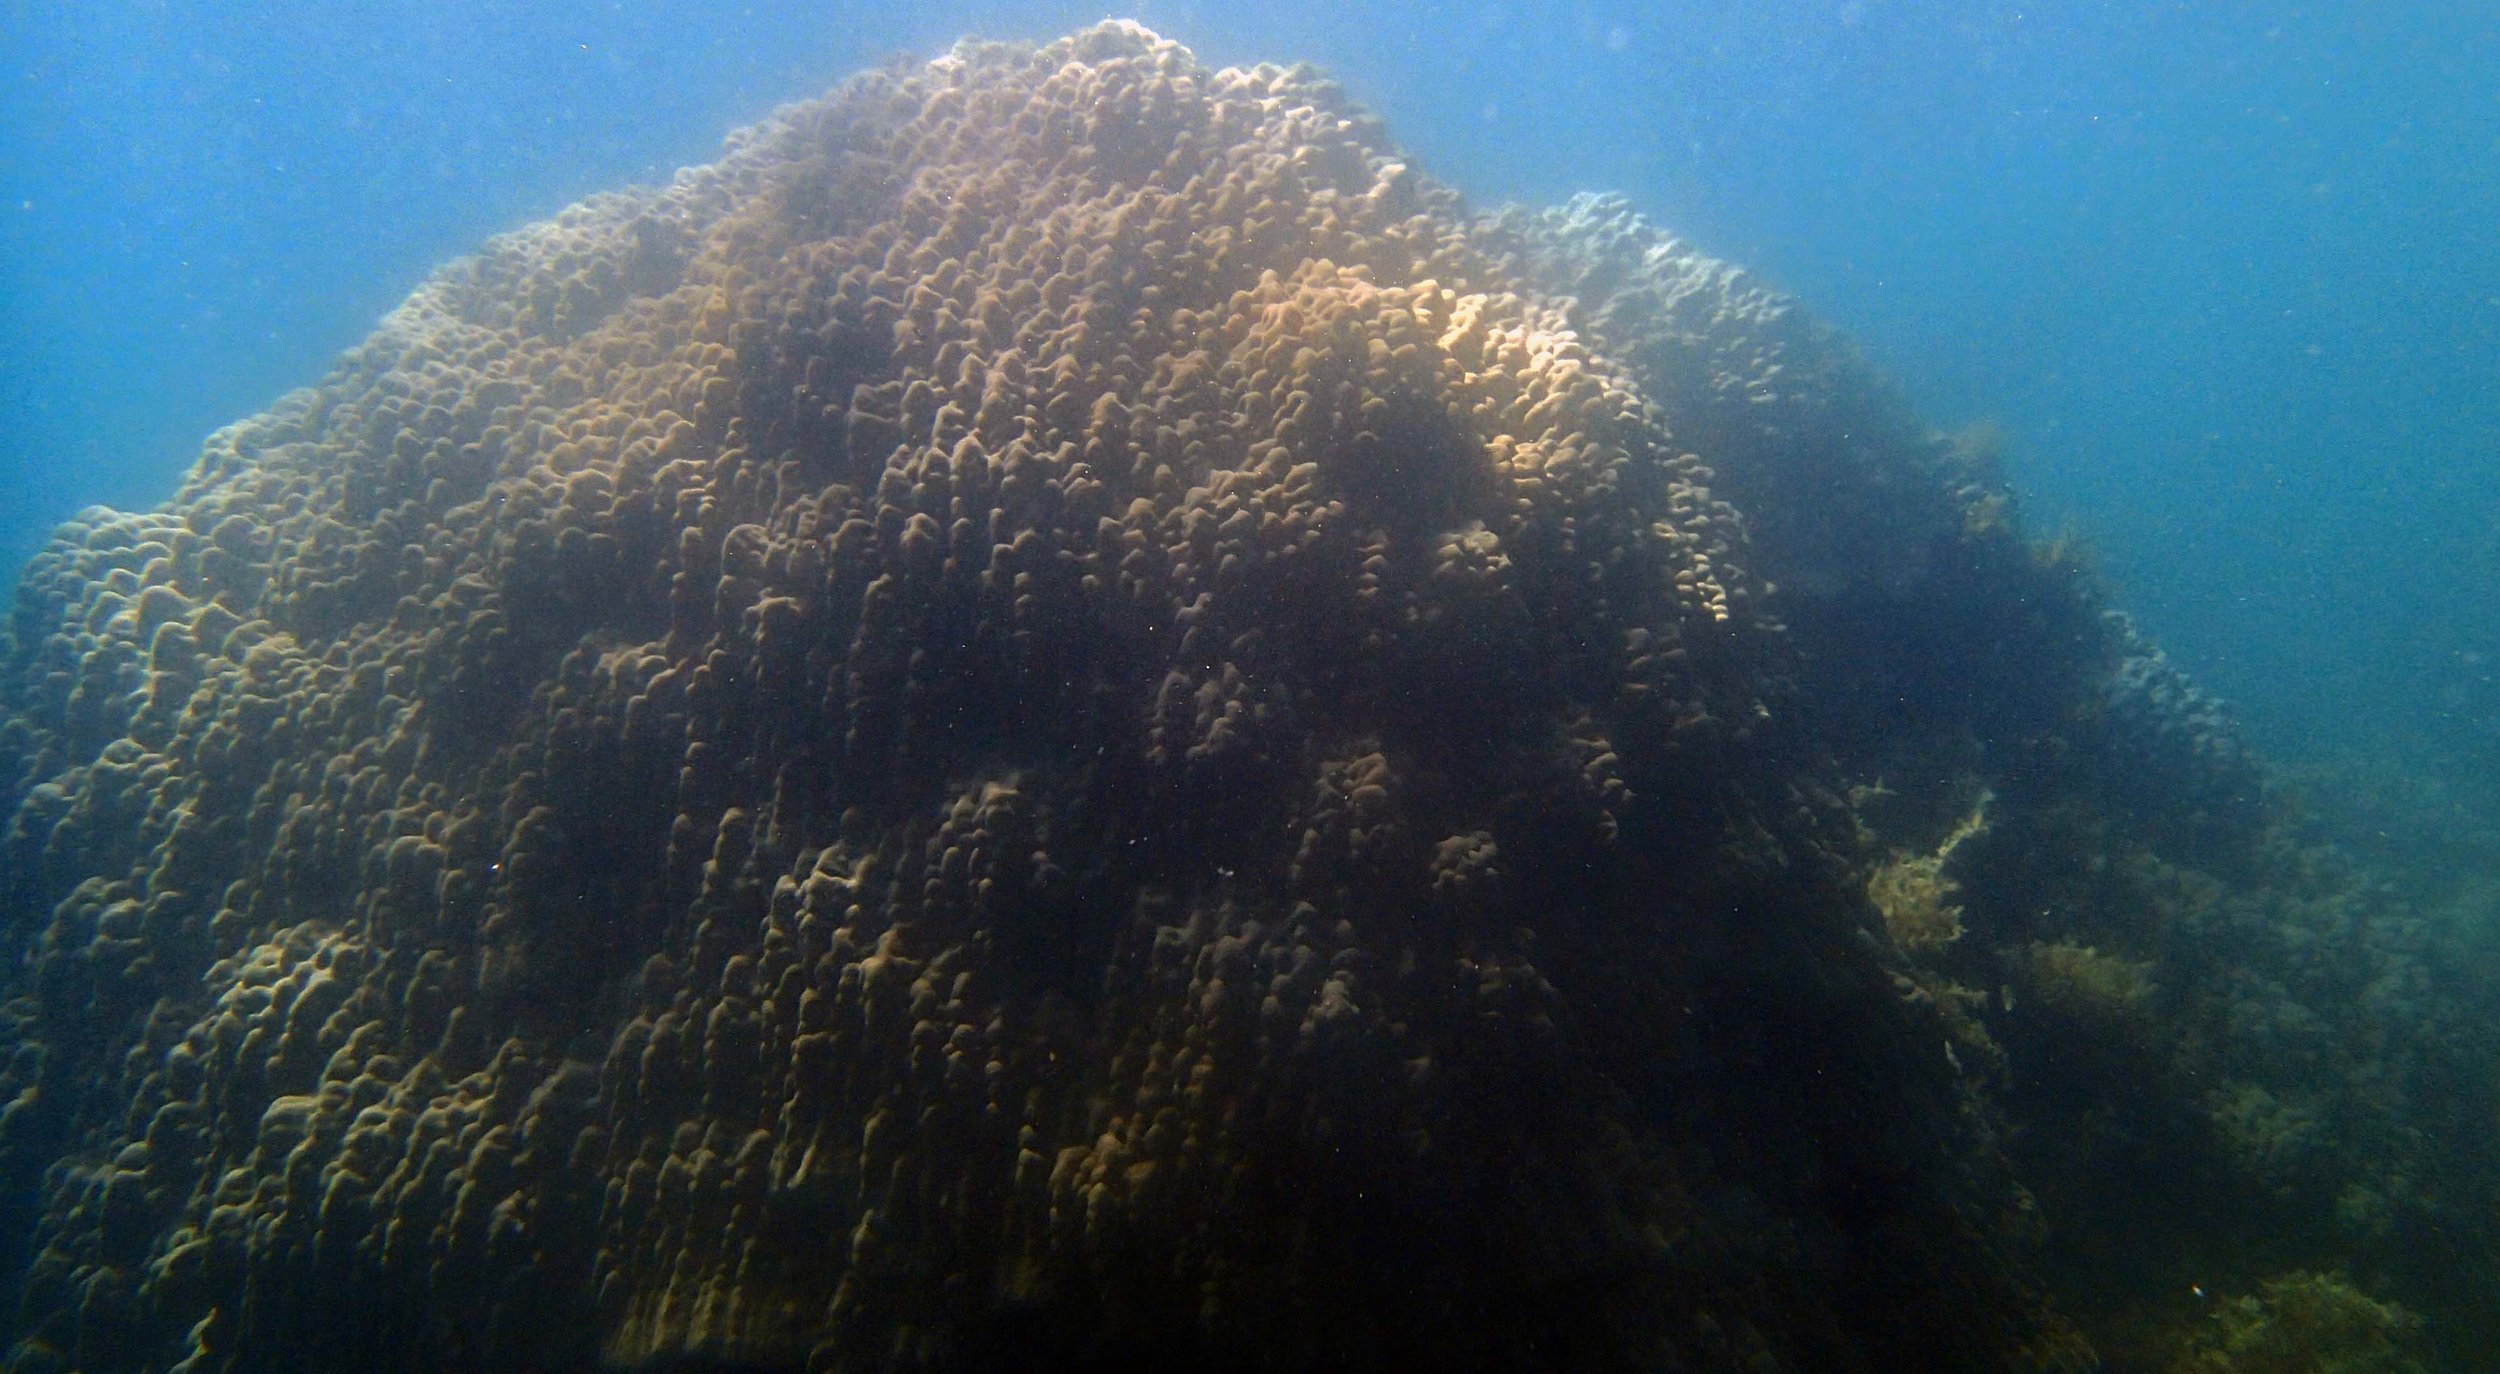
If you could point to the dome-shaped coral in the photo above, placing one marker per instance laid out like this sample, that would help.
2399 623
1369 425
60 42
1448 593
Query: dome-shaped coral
1054 716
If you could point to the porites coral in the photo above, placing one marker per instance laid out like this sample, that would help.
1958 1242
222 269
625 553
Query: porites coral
1025 711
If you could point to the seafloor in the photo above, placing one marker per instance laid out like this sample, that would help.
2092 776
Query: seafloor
1060 717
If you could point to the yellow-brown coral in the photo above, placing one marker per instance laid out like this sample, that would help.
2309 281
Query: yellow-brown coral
1049 715
1914 897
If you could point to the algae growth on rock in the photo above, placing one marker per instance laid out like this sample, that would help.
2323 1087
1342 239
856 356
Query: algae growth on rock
1060 716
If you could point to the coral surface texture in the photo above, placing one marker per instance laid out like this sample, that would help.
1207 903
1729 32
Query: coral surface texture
1061 717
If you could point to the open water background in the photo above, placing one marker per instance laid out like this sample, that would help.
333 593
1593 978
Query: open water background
2225 277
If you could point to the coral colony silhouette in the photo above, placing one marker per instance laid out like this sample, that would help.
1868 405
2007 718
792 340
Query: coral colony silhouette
1061 717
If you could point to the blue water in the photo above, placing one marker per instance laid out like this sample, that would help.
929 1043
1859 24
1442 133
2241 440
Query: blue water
2224 275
